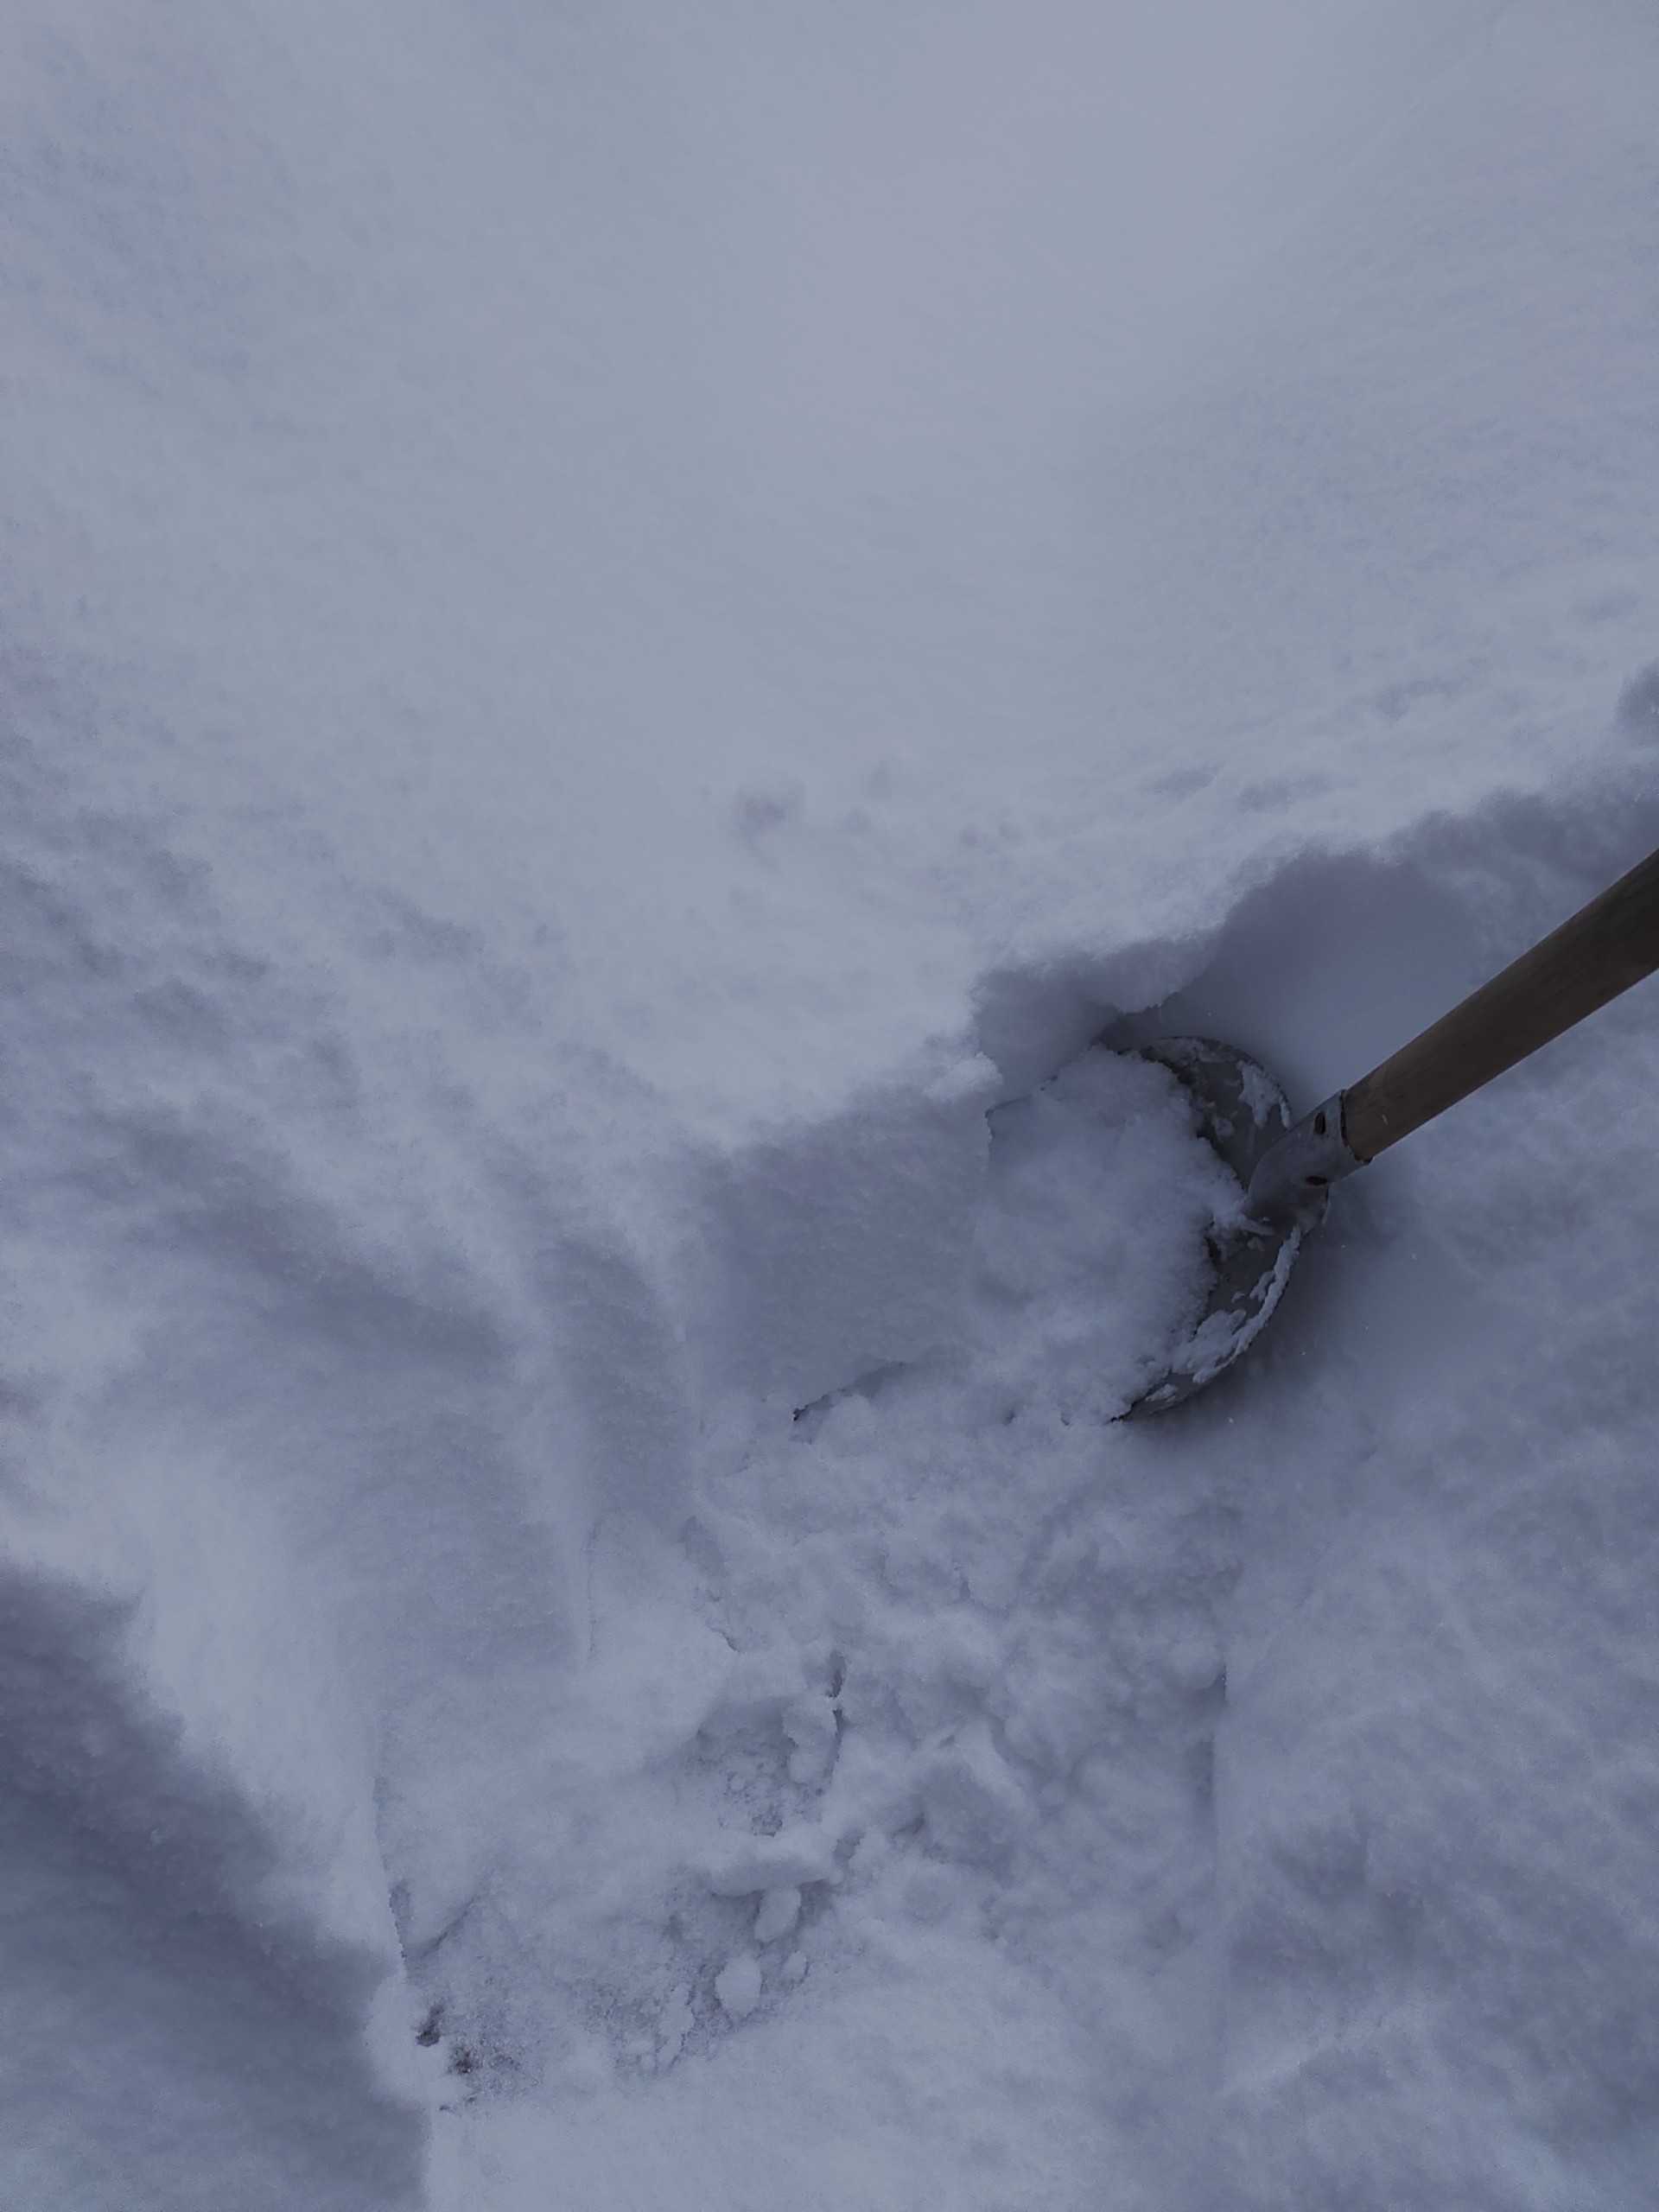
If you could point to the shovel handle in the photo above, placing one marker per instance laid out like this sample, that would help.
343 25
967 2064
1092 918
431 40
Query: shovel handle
1606 946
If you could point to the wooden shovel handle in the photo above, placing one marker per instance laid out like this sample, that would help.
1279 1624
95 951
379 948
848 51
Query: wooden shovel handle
1607 946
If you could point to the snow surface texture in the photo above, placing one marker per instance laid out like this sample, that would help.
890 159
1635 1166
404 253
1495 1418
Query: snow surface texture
623 626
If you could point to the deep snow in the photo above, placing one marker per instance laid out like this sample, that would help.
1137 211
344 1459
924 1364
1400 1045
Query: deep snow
623 628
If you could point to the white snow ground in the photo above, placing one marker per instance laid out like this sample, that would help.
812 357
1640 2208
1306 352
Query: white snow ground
619 623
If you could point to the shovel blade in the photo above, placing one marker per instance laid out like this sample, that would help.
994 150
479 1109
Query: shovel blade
1240 1110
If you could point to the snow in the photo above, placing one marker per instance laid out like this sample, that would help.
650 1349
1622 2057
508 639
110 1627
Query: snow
627 630
779 1910
737 1986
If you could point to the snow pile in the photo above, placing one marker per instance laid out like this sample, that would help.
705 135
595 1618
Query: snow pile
912 1720
623 631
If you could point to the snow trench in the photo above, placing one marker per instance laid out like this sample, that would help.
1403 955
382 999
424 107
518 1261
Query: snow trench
729 1633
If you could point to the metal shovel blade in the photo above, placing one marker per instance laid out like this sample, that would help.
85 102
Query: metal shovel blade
1240 1111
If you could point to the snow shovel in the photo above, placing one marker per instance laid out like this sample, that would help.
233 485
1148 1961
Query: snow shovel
1286 1169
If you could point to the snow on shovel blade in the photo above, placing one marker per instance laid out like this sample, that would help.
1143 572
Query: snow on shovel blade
1240 1111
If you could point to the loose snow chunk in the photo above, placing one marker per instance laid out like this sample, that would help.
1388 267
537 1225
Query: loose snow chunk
779 1910
738 1986
787 1860
1090 1241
